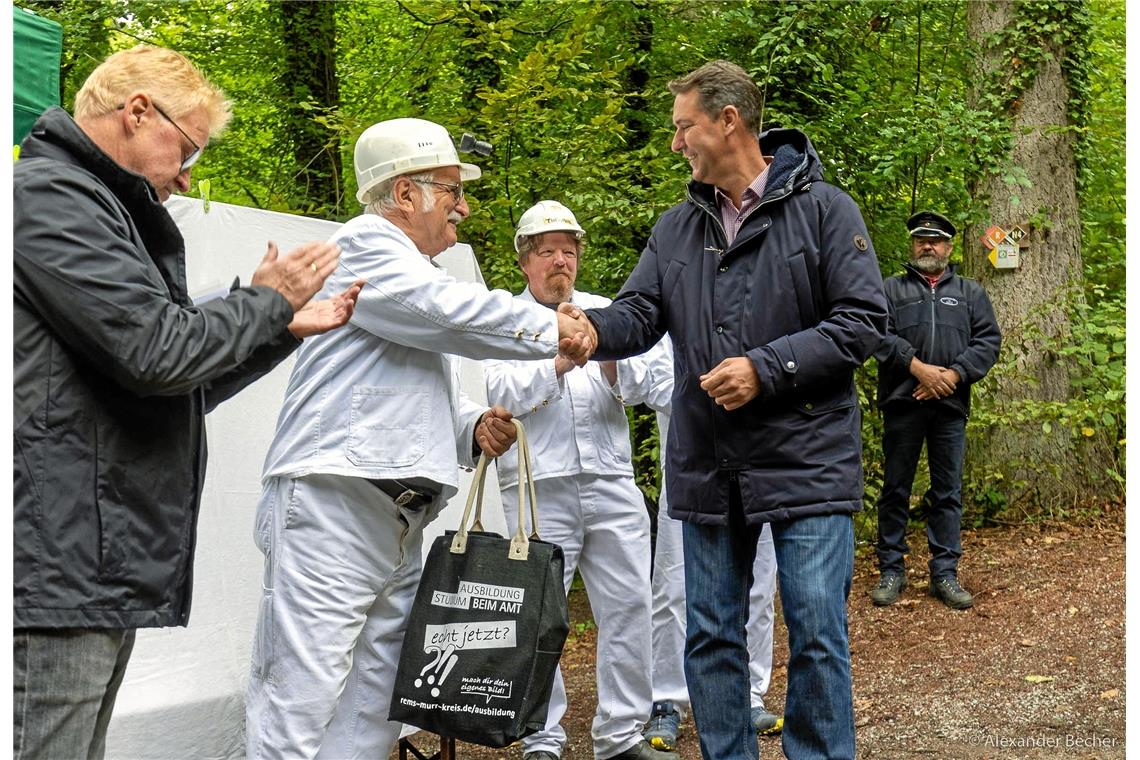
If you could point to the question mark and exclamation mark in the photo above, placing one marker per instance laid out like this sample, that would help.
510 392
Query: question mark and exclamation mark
444 661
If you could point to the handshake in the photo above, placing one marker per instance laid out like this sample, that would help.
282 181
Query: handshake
577 338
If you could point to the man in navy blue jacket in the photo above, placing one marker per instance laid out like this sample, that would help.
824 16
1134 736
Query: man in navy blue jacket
942 338
766 282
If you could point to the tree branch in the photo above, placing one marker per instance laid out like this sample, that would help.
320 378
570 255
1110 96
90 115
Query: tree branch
413 14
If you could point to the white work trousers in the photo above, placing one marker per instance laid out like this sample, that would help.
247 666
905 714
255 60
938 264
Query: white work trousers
603 528
669 615
342 563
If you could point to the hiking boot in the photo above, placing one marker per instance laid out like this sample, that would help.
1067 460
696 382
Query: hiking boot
541 755
765 723
662 728
948 591
642 751
888 590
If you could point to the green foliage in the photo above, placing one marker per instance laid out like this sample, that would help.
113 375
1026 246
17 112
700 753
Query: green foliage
1092 416
1102 149
573 95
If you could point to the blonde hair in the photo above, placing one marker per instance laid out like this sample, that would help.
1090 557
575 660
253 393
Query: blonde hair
168 77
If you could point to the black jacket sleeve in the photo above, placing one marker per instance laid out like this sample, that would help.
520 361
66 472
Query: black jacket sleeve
634 322
981 352
894 352
259 364
78 264
852 327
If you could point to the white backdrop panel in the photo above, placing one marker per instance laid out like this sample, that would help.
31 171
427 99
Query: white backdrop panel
183 696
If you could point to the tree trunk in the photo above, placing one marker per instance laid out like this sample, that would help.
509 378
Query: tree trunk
312 89
1044 467
646 467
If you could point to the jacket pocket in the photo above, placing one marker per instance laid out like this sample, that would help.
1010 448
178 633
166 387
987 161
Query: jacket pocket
912 313
801 285
265 536
387 425
818 407
670 280
111 519
954 312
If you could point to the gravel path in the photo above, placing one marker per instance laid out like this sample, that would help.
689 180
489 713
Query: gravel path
1034 670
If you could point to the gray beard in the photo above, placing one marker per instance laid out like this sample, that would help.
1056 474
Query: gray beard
930 264
560 293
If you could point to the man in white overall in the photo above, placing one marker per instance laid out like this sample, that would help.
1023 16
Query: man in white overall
587 500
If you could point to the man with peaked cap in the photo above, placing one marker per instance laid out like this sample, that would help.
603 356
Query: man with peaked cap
942 337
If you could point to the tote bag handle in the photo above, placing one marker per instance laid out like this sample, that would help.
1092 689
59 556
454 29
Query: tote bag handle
520 543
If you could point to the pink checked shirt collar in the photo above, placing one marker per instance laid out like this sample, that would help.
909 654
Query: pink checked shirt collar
733 217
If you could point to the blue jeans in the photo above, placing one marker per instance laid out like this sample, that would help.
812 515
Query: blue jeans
905 428
64 684
814 560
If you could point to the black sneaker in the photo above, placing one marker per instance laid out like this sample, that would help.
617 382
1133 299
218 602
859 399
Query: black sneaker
888 590
948 591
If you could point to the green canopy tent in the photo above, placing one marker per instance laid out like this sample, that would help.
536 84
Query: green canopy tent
37 43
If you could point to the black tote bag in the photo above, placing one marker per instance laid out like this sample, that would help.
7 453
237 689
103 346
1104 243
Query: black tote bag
486 629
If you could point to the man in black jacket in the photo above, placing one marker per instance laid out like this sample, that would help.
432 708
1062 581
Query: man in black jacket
114 371
766 282
942 338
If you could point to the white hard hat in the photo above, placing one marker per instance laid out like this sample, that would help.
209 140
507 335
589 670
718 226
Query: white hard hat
404 146
546 216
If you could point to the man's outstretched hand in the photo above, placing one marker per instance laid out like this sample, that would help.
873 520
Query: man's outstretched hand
318 317
577 338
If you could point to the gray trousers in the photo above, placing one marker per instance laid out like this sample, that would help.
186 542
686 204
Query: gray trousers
64 684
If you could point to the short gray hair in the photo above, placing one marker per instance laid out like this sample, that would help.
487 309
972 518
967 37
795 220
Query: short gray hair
723 83
382 197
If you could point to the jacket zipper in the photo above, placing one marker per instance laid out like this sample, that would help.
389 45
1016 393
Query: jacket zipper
715 218
932 286
763 202
720 225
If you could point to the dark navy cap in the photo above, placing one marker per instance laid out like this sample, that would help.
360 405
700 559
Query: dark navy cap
930 224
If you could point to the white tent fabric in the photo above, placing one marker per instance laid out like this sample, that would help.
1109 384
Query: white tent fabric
183 696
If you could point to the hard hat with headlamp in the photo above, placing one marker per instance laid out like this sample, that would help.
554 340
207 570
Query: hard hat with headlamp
404 146
546 216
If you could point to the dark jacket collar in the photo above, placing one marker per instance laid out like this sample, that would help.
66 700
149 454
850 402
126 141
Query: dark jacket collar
57 136
950 271
794 161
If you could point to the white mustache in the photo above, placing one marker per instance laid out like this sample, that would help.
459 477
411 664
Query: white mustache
454 218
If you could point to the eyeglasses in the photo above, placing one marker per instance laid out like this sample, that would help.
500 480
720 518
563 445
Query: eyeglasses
194 154
456 190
